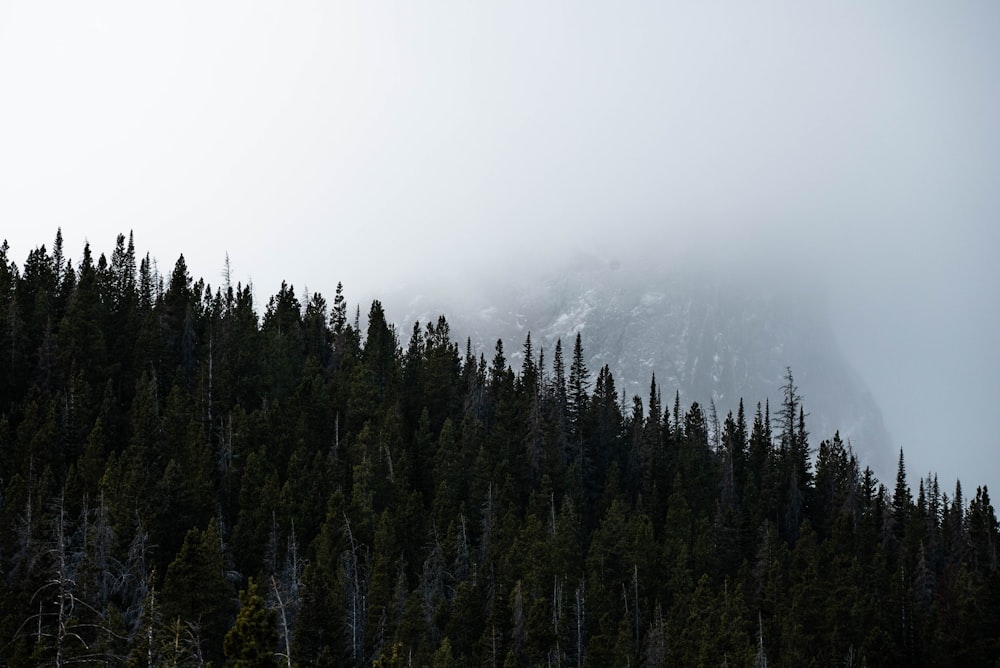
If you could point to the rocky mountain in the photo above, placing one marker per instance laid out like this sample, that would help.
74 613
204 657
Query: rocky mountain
712 339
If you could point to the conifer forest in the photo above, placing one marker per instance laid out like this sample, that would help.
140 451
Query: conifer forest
187 481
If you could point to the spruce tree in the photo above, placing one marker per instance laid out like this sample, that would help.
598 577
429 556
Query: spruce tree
902 500
578 388
251 642
196 595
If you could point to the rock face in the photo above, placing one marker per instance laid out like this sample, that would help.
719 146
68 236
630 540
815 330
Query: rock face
711 339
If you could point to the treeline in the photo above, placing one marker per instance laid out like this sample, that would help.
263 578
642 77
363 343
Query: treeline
185 481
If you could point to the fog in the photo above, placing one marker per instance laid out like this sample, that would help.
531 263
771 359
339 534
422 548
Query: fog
853 145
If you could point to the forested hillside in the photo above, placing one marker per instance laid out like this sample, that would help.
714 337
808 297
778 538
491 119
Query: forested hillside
187 481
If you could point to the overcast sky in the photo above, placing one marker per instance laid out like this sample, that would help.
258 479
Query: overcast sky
370 142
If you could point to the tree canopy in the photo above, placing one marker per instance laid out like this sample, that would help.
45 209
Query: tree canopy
184 481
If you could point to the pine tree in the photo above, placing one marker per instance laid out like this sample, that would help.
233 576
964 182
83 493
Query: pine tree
559 382
578 388
795 473
380 351
902 501
196 594
607 445
177 327
251 642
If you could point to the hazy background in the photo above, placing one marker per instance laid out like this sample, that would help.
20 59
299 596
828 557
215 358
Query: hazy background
855 144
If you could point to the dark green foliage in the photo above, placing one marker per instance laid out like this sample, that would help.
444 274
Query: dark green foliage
162 446
196 594
252 640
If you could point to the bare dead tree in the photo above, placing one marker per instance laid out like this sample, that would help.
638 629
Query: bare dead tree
656 641
59 629
356 595
761 656
285 597
580 612
555 655
285 625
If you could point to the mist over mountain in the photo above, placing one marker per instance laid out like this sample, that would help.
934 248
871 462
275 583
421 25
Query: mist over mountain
704 334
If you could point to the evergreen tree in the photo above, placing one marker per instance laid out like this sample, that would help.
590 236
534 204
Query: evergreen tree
902 500
577 389
380 350
196 594
795 473
250 643
179 337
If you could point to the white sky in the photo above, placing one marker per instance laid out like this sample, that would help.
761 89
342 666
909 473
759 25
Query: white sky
370 142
